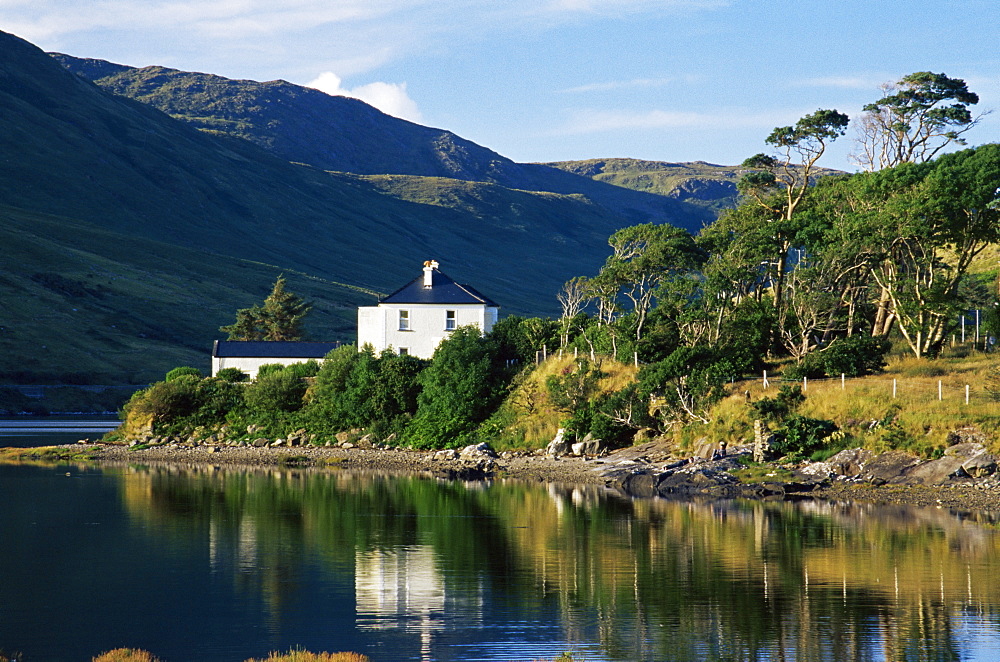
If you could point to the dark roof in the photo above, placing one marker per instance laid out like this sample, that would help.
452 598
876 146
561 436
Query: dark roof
442 290
272 349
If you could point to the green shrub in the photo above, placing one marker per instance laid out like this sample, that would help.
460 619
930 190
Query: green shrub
802 436
855 356
275 391
777 408
181 371
811 366
232 375
269 369
168 401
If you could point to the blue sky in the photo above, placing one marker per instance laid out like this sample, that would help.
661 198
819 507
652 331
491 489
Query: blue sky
547 80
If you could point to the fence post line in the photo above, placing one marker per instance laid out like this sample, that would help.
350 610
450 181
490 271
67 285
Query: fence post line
966 394
940 392
893 389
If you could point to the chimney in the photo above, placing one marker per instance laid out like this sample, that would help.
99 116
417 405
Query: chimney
429 267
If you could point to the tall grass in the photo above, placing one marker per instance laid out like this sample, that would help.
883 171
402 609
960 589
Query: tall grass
126 655
914 405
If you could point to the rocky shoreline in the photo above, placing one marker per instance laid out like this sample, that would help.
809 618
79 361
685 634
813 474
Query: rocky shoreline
965 478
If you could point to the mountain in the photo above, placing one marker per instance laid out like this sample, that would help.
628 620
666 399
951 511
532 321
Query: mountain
100 177
304 125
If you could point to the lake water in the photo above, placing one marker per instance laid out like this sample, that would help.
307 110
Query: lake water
222 565
31 432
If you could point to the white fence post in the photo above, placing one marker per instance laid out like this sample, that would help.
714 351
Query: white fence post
765 379
805 385
843 383
966 394
894 389
940 392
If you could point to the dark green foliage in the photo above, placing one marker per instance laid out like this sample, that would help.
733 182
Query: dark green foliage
232 375
460 390
811 366
517 339
360 390
572 392
802 436
574 385
775 409
182 370
686 383
168 402
278 319
279 391
615 417
855 356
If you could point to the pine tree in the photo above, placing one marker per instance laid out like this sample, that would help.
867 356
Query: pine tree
280 318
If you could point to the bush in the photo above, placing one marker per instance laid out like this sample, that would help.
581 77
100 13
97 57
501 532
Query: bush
275 391
269 369
181 371
777 408
232 375
802 436
855 356
169 400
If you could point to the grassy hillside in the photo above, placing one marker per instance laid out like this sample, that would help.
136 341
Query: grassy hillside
710 186
86 305
304 125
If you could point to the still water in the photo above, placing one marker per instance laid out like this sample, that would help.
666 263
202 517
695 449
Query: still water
222 565
27 432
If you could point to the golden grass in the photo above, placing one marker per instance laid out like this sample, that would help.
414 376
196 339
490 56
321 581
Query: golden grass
528 416
43 455
913 405
306 656
126 655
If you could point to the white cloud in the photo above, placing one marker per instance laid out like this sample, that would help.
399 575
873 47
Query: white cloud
390 98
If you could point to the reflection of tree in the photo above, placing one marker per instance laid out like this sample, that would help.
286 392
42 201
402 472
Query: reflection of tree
647 579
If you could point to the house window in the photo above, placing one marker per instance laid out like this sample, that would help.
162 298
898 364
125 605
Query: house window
449 320
404 320
403 351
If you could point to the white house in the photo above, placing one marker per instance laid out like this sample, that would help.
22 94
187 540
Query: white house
249 355
417 317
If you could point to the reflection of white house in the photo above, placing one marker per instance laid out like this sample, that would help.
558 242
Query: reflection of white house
249 356
415 318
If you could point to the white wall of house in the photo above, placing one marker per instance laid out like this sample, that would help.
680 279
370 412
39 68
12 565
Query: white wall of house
251 364
418 329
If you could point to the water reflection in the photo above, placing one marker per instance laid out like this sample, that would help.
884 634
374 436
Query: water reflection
418 569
